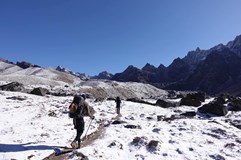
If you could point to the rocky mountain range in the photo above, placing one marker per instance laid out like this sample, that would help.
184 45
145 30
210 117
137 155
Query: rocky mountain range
216 70
103 75
53 82
82 76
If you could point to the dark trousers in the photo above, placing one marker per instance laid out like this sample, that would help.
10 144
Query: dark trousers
79 125
118 110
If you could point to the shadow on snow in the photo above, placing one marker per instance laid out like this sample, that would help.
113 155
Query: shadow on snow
25 147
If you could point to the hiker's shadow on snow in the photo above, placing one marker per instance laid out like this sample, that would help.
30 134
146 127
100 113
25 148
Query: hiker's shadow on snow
24 147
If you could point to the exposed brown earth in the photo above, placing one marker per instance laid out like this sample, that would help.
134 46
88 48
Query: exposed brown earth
85 141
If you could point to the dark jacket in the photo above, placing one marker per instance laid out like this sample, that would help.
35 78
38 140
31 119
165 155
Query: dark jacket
118 102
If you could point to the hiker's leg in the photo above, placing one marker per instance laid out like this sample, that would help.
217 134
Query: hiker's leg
78 135
80 129
118 110
77 138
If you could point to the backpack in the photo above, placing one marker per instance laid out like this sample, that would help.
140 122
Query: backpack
76 108
72 110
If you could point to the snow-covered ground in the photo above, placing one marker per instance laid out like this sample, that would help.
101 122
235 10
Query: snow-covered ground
32 126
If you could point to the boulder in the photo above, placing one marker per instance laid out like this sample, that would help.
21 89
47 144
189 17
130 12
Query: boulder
118 122
116 144
130 126
136 140
194 99
172 94
190 102
14 86
39 91
167 119
234 104
160 117
220 100
52 114
217 157
214 108
139 141
156 130
152 145
164 104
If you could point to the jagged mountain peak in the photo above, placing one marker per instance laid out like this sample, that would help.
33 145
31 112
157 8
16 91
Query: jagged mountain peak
62 69
161 66
149 67
194 57
235 45
176 62
235 42
131 67
194 67
82 76
178 59
198 49
220 47
59 67
103 75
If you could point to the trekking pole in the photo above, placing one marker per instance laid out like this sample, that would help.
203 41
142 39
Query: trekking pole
88 129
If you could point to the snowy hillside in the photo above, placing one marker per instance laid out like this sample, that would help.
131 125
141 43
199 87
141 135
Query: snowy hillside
34 75
33 126
106 88
7 68
55 81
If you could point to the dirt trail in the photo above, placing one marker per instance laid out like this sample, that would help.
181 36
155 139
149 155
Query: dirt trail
85 141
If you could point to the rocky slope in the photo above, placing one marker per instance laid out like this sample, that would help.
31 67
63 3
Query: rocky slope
215 70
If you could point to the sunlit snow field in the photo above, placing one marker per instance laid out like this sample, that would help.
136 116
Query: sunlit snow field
33 127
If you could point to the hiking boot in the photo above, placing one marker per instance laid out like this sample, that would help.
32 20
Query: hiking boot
78 147
74 144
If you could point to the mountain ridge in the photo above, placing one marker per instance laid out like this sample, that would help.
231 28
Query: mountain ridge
180 73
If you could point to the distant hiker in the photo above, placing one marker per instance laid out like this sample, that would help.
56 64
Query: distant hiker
77 110
118 102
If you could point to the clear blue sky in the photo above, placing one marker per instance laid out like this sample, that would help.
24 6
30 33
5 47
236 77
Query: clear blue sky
91 36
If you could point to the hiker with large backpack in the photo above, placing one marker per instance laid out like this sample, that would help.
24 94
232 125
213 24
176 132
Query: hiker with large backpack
77 110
